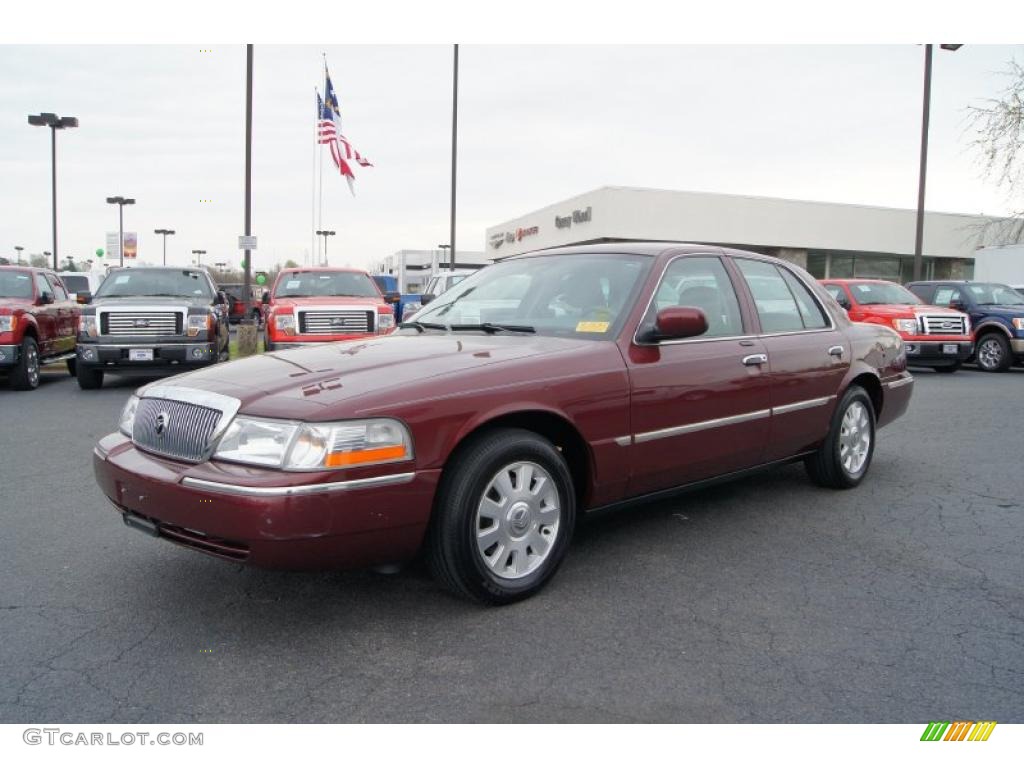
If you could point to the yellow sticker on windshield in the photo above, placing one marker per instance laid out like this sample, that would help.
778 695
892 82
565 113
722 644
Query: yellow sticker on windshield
591 327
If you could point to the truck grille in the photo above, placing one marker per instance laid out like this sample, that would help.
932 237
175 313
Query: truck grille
140 324
335 321
175 429
945 325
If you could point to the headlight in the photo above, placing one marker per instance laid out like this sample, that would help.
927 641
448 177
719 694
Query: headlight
1018 323
905 326
6 323
127 421
197 323
385 321
285 323
302 446
87 326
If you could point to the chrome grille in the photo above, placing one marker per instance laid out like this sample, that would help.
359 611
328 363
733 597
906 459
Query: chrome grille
140 323
175 429
946 325
335 321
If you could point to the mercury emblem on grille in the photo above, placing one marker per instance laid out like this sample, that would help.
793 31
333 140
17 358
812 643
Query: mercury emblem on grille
161 423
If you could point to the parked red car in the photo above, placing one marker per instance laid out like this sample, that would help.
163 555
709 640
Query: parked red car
935 337
320 304
541 386
38 324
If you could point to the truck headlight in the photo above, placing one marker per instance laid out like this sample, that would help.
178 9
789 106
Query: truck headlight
385 321
127 421
1018 323
905 326
6 323
306 446
285 323
197 323
88 327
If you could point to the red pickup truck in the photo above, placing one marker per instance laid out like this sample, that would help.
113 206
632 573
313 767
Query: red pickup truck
38 324
321 304
934 337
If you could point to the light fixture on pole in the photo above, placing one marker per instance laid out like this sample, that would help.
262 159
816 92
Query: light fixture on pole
444 251
326 233
923 169
19 249
120 202
54 123
199 256
165 233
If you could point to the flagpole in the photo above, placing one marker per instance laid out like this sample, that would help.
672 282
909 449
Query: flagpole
312 204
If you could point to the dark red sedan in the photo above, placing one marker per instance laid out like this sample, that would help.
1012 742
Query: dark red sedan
542 386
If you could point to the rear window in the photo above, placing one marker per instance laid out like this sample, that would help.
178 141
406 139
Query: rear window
76 283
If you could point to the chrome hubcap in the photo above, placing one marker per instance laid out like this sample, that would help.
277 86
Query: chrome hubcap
517 520
990 353
854 438
32 366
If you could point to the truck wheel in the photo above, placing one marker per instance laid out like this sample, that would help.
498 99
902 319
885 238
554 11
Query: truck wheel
72 364
842 460
26 373
951 368
503 519
993 353
89 378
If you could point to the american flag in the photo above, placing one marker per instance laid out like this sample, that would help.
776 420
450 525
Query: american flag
329 133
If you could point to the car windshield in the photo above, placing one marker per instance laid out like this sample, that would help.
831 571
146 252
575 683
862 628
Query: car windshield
15 285
155 282
994 293
584 295
882 293
316 283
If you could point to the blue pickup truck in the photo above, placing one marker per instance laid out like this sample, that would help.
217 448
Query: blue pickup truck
997 317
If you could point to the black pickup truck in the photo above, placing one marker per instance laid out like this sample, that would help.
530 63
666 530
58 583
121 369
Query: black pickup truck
151 320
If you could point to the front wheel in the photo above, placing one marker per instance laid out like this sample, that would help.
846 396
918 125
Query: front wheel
503 519
26 373
842 460
72 363
89 378
993 353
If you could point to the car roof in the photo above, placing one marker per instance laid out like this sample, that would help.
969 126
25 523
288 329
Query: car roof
645 248
848 280
24 268
325 269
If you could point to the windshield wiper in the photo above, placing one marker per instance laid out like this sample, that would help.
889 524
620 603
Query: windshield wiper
495 328
421 327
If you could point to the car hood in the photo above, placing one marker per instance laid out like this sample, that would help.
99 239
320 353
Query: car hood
326 301
906 310
148 301
9 305
305 382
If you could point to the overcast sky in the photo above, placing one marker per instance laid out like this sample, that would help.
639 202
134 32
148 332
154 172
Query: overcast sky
165 124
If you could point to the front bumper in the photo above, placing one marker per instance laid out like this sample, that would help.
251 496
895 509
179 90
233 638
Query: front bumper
307 340
9 354
935 352
269 518
171 355
1017 345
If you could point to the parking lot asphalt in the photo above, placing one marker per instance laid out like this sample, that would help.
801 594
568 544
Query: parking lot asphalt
766 600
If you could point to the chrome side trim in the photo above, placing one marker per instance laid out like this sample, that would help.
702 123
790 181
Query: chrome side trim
685 429
297 490
624 440
900 382
801 405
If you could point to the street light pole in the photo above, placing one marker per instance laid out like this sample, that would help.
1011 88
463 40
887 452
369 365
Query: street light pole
455 143
199 256
120 202
247 278
165 233
923 168
445 248
326 233
19 249
54 123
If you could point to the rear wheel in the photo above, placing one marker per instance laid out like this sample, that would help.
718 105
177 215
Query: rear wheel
843 458
89 378
993 353
26 373
504 517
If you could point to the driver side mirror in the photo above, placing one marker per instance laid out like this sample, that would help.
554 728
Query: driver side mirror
956 304
678 323
265 299
83 297
392 297
222 298
46 298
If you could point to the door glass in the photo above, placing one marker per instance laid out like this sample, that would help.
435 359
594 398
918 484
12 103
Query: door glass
776 306
946 294
702 282
42 286
812 314
59 293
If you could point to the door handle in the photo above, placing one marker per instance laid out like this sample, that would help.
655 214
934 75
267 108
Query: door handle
836 351
755 359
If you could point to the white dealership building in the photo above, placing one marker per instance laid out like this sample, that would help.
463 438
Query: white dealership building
829 239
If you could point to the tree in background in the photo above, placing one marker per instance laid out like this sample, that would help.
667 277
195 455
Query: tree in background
290 264
999 127
38 260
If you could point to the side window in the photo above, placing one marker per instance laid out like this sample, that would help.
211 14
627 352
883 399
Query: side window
839 295
810 312
776 306
702 282
946 294
42 286
923 292
59 294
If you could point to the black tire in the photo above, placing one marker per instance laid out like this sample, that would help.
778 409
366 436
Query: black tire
72 363
826 466
992 353
26 373
452 552
89 377
268 345
951 368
